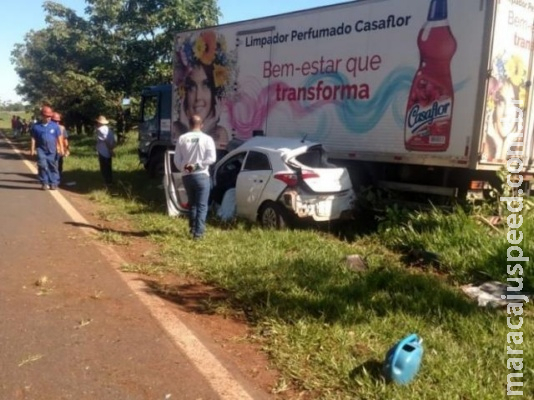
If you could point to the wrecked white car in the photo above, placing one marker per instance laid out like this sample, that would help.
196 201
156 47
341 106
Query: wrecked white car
271 180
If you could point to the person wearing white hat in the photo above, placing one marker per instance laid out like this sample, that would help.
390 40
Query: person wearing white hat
105 143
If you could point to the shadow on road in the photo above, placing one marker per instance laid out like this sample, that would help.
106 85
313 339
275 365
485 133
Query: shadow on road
192 297
107 230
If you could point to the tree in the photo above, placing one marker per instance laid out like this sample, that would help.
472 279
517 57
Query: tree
12 107
87 66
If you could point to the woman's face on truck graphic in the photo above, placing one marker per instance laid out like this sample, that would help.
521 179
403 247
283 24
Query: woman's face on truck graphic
199 97
505 109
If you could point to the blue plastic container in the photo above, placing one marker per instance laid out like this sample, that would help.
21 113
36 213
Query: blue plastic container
404 360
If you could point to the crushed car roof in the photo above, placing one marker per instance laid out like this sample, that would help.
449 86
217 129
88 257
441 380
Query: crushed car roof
276 143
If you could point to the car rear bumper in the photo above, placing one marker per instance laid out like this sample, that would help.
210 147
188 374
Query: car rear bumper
319 207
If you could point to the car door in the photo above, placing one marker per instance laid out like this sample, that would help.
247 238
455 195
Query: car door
251 183
175 195
225 175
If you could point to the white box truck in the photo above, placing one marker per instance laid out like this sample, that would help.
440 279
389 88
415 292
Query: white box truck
430 96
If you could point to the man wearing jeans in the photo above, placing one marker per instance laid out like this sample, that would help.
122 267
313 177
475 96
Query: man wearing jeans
45 142
194 153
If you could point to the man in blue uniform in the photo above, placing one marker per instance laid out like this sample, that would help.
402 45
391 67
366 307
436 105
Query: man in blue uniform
46 143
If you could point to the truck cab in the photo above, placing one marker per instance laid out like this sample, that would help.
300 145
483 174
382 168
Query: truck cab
155 128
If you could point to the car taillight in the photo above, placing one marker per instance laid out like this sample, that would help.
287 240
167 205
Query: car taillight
291 178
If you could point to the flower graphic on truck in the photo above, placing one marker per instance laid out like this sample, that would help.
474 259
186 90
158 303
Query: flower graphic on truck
207 49
204 77
514 69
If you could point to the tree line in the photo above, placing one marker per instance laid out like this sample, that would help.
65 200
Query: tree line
84 66
9 106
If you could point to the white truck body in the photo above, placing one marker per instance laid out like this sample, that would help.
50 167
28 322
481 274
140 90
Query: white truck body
341 75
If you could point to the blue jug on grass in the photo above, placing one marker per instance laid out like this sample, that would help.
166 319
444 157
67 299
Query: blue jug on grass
403 360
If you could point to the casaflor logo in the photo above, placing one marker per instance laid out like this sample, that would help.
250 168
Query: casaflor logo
418 116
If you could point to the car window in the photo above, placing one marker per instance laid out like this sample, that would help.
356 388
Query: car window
314 157
149 108
231 167
257 161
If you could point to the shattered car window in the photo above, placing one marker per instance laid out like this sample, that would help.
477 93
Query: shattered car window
257 161
314 157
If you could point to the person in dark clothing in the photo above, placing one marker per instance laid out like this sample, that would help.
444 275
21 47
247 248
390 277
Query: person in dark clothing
105 143
56 117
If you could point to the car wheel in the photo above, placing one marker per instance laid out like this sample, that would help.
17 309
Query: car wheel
272 216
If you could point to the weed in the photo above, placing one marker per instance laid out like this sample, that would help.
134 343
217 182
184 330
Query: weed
145 269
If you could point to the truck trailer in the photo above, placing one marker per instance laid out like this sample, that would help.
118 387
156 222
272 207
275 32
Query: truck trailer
429 96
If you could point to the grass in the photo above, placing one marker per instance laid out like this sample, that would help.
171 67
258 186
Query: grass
325 327
467 250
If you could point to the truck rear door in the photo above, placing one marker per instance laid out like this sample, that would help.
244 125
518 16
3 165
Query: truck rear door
509 99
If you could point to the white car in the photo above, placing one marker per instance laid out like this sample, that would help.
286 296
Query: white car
272 180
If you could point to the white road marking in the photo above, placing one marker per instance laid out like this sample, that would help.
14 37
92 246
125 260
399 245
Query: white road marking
220 379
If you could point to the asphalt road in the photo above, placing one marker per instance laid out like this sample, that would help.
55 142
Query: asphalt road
70 326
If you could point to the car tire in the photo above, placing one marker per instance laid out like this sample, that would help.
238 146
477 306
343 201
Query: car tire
273 216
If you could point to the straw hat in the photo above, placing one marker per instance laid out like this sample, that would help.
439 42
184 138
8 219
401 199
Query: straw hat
102 120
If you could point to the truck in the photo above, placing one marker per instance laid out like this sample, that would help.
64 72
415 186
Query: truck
419 96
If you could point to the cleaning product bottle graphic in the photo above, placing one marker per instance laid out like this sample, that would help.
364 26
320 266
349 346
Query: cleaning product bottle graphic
428 119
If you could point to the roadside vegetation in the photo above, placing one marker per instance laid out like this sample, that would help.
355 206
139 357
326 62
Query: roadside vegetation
5 118
325 326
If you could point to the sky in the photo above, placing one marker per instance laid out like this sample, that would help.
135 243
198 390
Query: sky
21 16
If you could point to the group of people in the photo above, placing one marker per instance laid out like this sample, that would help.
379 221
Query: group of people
49 142
195 153
18 126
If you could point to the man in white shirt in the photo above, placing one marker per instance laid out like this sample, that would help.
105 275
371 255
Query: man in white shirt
105 143
194 153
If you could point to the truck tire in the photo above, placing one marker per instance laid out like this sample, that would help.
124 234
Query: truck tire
156 165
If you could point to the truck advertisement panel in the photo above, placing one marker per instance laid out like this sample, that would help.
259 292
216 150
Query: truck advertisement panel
511 68
378 80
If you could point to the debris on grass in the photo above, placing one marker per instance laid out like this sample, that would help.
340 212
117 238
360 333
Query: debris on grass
356 263
491 294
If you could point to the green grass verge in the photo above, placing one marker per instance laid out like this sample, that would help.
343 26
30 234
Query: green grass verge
326 327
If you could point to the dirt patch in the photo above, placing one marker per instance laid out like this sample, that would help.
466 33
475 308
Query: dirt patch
201 307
